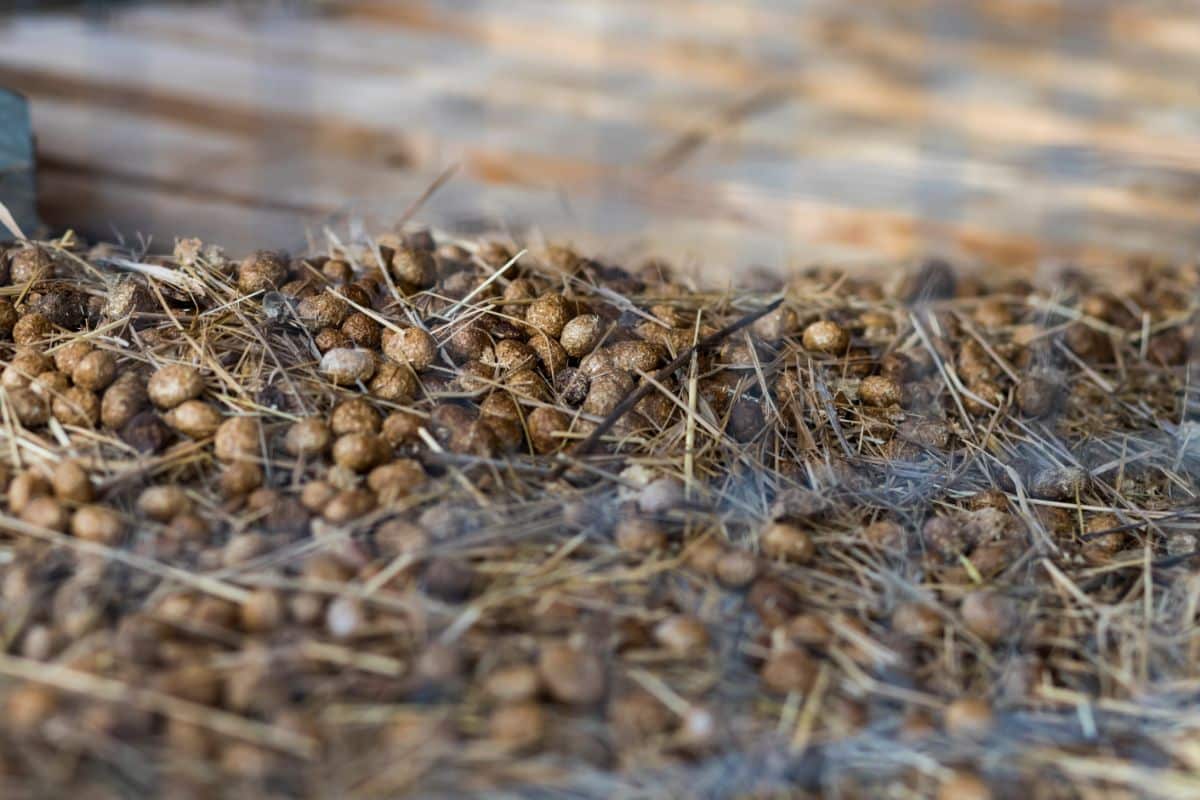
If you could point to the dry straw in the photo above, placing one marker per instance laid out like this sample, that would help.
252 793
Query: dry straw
434 516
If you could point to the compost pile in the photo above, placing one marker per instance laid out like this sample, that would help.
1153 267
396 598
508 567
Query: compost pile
433 517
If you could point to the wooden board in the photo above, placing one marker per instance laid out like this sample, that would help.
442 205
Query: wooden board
1020 132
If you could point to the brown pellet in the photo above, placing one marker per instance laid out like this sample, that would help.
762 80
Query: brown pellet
25 365
682 634
68 355
77 406
551 354
826 337
26 487
240 477
71 483
518 727
546 427
194 418
262 611
95 371
571 675
323 310
786 542
30 408
638 535
969 716
916 621
53 383
362 330
513 684
635 357
989 615
410 346
122 401
96 523
788 671
359 451
328 339
400 427
46 512
238 437
355 415
262 271
29 706
1037 395
316 495
31 264
637 716
661 495
809 630
32 329
413 268
548 314
880 391
173 384
581 334
308 437
737 569
161 503
606 392
348 505
8 317
962 785
346 366
396 479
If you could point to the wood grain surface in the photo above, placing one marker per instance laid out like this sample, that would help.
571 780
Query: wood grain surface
1013 132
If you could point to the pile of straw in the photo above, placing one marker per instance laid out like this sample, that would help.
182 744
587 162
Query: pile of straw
831 536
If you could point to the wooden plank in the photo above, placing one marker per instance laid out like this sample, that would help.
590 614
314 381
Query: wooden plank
843 88
765 131
691 229
130 210
371 114
610 137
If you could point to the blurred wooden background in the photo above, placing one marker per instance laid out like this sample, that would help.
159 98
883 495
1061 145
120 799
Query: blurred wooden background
1019 132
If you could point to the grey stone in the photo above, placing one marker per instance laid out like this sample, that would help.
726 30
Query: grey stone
17 189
